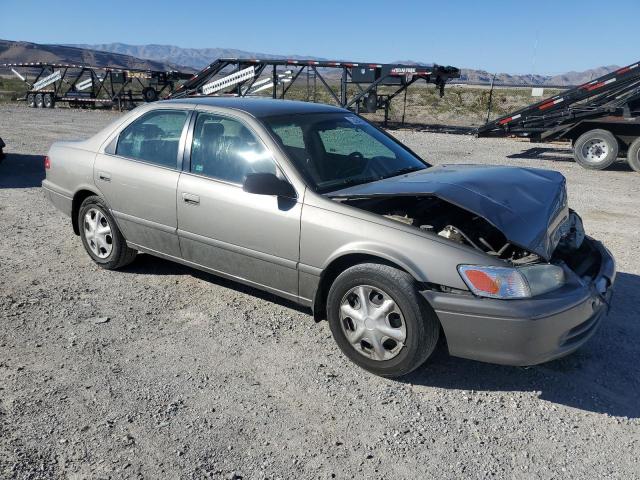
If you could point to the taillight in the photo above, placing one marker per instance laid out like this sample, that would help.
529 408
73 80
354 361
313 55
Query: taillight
47 163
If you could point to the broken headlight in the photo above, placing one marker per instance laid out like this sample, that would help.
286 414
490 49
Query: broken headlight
508 282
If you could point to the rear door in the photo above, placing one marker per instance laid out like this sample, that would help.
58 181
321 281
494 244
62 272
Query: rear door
250 237
138 176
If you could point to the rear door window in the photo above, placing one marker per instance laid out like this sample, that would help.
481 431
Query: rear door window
153 138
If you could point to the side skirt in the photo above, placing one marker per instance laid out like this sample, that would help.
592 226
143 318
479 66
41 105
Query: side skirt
294 298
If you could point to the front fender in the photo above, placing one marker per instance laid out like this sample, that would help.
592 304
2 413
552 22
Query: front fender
327 235
376 249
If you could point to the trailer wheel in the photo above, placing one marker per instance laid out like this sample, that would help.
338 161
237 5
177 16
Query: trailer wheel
39 100
149 94
633 155
31 100
596 149
48 100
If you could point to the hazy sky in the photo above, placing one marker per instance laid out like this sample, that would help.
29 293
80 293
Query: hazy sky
545 37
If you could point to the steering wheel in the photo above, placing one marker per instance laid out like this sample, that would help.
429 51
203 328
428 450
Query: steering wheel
355 169
377 165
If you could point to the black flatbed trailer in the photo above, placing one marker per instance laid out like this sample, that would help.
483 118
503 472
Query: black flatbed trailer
601 119
79 84
241 77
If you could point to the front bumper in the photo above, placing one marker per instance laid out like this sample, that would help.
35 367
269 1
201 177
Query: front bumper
531 331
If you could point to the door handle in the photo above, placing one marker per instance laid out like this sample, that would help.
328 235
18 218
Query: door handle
104 176
190 198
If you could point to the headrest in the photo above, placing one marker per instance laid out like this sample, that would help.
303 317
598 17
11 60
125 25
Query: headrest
245 135
279 138
212 130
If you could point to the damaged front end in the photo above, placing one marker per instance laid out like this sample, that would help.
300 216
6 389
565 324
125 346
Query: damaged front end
519 216
430 214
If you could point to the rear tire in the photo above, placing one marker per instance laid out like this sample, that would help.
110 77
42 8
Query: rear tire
48 100
149 94
392 331
101 237
633 155
596 149
39 100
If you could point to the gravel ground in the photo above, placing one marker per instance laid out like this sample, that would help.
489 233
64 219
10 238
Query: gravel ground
160 371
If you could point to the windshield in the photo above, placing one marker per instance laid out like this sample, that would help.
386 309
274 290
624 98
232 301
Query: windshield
337 150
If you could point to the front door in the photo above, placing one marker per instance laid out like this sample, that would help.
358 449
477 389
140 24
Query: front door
139 179
253 238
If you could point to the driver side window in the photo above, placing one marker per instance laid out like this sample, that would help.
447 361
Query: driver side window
224 149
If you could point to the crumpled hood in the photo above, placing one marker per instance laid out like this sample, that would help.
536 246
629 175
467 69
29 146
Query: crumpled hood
526 204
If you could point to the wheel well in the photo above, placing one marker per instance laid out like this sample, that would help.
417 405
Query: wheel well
622 132
78 198
335 268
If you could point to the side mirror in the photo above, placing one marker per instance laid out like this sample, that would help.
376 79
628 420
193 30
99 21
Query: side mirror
268 184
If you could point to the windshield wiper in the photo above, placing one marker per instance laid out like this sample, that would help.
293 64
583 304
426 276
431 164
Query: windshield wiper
358 181
404 171
350 182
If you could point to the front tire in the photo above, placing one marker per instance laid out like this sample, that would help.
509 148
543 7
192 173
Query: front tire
380 321
101 237
633 155
596 149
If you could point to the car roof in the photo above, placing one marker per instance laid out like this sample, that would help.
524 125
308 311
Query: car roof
260 107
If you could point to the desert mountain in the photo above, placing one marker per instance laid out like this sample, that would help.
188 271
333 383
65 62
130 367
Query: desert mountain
13 52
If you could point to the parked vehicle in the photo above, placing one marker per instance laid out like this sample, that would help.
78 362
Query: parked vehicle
92 85
600 118
314 204
216 79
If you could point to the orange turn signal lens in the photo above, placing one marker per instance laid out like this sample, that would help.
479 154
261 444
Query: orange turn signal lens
483 282
494 282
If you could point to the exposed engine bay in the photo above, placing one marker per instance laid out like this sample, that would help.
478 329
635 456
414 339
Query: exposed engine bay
449 221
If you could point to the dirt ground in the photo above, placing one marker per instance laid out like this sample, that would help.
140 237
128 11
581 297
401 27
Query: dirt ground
160 371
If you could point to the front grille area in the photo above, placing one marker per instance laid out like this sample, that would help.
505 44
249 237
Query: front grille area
581 331
585 261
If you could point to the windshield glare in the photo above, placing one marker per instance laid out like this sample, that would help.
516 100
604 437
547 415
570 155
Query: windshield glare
337 150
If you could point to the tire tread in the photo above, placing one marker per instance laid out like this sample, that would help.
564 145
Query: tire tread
400 283
596 133
633 155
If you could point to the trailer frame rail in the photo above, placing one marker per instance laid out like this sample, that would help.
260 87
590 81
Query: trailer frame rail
367 77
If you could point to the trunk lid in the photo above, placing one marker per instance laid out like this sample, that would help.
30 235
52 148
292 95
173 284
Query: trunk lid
526 204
